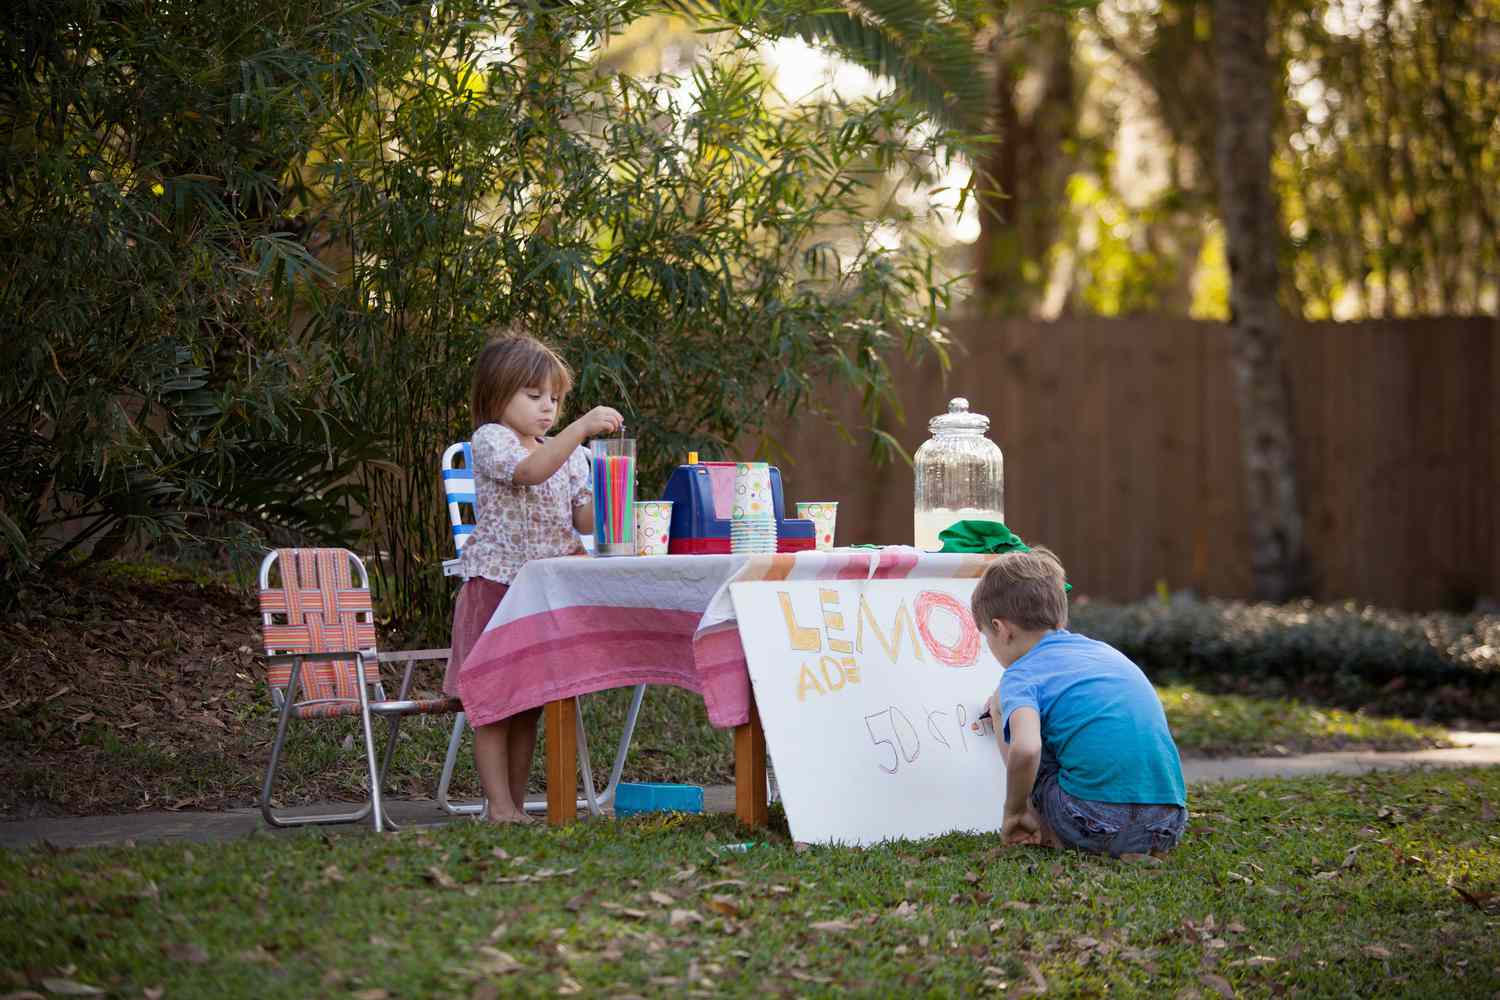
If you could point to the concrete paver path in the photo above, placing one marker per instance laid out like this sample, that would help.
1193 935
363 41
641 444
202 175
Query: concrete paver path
87 831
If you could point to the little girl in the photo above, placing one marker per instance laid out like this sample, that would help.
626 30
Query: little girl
532 498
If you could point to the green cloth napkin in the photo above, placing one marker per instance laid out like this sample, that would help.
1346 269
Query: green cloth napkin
980 536
983 536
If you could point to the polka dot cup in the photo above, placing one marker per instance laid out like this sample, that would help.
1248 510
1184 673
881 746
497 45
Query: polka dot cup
653 527
822 514
752 492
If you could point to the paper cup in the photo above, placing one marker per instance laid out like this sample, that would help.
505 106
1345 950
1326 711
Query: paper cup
752 492
653 527
822 514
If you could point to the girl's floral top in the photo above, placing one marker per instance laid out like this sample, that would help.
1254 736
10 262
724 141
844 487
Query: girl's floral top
515 524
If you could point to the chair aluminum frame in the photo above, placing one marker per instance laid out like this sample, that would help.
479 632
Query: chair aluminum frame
459 489
393 710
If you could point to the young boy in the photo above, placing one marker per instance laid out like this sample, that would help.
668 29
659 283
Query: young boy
1089 760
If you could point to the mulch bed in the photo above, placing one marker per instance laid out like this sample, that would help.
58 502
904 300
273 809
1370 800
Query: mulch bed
123 694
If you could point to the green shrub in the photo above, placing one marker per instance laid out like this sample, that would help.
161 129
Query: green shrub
252 248
1439 666
699 251
147 371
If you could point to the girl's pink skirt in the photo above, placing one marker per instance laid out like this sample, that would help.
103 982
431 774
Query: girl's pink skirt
477 600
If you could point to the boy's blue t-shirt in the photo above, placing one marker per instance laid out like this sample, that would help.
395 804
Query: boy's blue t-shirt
1101 719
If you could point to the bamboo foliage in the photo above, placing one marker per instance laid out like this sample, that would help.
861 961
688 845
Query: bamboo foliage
252 252
670 236
146 377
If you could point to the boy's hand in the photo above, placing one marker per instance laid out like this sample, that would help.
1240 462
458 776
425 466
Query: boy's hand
600 420
1021 828
988 713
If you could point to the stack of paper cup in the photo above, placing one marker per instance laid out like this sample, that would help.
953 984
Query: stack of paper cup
752 520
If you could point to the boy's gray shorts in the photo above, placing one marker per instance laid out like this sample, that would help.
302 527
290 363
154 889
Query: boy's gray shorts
1112 828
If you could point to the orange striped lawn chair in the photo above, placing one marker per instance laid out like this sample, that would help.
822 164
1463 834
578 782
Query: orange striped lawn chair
322 663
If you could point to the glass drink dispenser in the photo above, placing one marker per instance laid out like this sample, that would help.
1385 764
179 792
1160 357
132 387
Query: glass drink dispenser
960 474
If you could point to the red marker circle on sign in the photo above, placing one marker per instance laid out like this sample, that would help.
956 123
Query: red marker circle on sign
962 653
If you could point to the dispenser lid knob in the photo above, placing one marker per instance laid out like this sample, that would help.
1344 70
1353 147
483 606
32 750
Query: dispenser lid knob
959 418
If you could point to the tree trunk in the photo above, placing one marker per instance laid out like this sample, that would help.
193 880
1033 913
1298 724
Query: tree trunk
1023 175
1249 208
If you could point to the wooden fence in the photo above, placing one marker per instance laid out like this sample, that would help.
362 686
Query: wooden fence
1122 453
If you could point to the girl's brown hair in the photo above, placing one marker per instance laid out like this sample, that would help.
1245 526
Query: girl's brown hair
1023 588
509 364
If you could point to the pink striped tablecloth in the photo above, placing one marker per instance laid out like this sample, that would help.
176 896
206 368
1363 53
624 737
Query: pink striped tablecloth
576 625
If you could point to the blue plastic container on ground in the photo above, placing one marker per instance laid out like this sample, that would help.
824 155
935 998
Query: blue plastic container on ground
632 798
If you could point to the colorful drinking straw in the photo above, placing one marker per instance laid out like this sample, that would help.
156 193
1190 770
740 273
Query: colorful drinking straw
614 493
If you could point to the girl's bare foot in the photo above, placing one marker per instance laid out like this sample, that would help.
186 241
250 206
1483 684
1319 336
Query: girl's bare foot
508 816
515 814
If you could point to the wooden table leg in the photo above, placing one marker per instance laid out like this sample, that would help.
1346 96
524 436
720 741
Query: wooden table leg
561 719
750 772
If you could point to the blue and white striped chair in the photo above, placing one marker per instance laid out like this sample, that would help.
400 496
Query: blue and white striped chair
458 484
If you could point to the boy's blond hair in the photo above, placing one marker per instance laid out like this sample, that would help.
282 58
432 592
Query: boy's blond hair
1023 588
508 364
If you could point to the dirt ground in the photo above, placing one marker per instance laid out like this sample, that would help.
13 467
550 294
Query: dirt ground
124 692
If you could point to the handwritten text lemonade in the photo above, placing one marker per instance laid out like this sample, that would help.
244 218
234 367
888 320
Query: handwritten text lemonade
934 628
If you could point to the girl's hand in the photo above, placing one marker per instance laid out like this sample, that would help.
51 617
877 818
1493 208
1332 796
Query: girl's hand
599 421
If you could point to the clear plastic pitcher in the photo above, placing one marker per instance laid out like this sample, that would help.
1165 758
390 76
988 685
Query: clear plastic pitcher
960 475
614 496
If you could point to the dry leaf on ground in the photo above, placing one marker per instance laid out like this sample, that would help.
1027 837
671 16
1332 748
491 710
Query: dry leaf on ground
1037 979
725 883
189 952
1149 860
495 962
439 878
678 918
1218 984
723 905
71 988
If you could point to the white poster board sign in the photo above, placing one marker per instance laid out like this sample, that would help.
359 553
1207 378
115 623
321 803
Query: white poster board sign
866 690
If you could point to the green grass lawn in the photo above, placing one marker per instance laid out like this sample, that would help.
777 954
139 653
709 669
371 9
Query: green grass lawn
674 742
1233 725
1383 885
